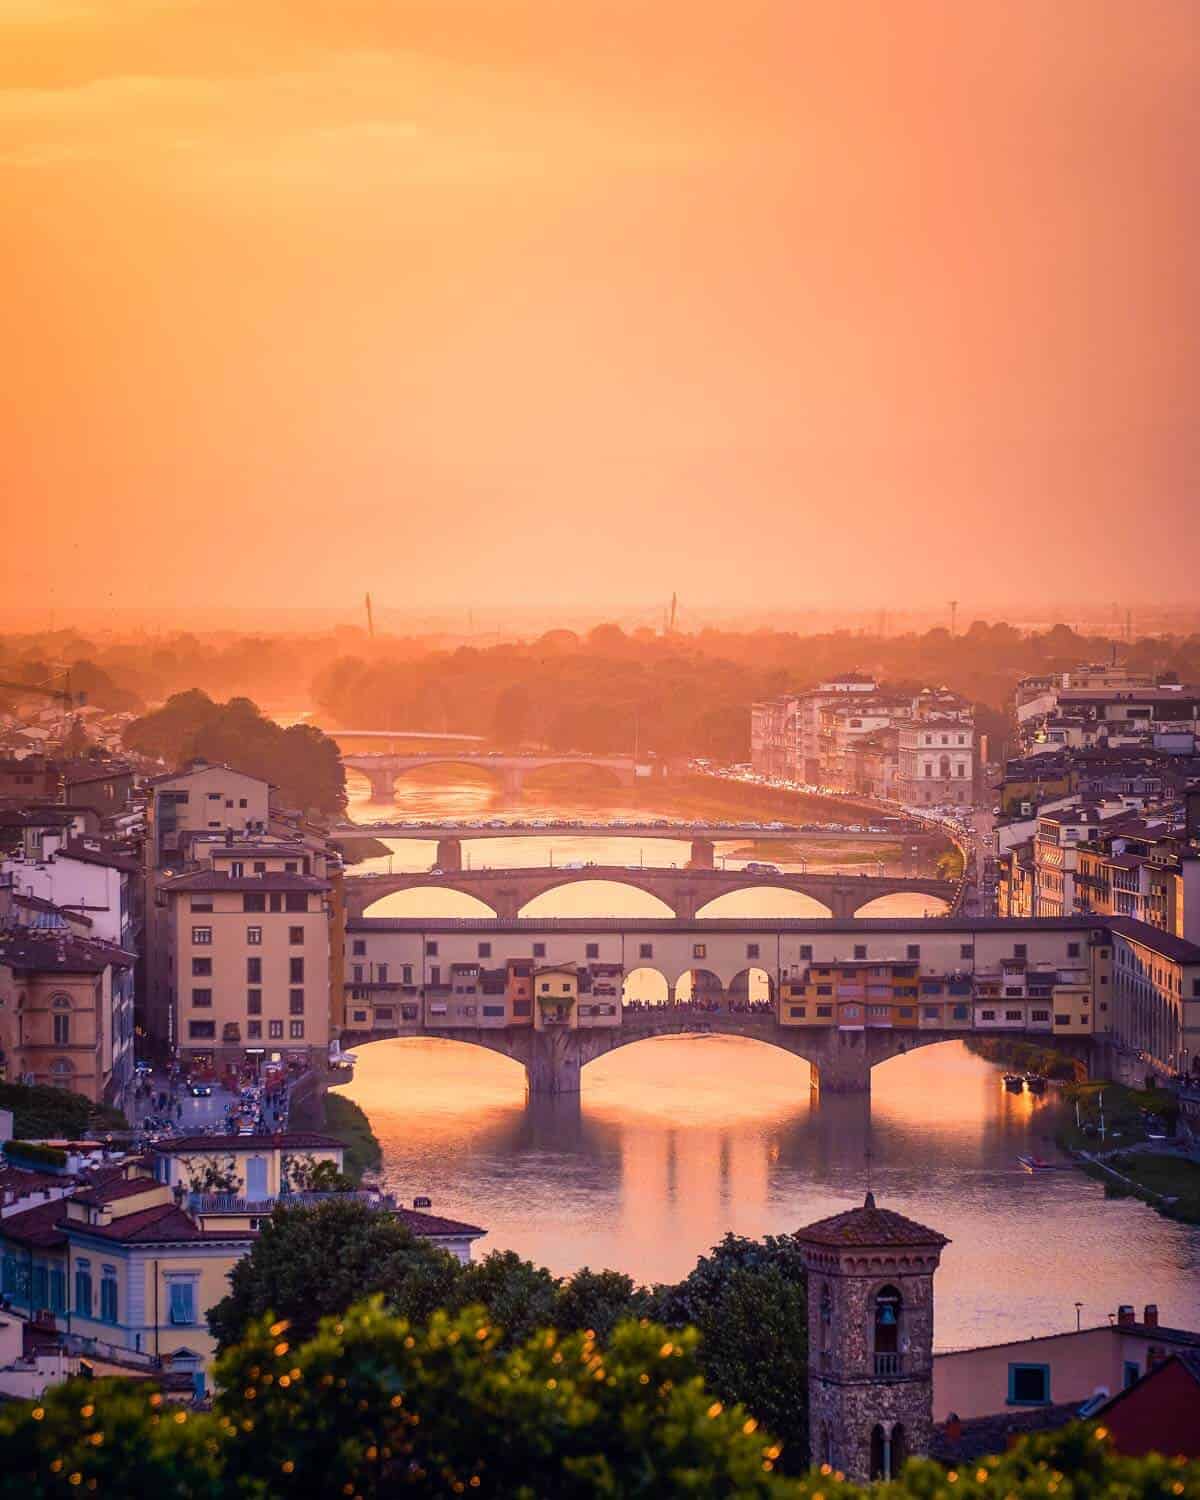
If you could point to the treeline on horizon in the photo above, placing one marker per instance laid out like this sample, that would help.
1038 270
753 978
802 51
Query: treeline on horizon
607 690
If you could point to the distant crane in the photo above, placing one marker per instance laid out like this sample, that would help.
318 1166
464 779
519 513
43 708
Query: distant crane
63 695
370 619
954 617
674 611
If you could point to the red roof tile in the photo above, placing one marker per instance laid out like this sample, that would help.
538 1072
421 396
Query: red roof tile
869 1227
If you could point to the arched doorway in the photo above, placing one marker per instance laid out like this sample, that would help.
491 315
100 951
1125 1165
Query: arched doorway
700 989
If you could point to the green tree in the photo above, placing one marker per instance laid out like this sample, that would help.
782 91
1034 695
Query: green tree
749 1300
373 1405
312 1260
519 1296
598 1300
110 1437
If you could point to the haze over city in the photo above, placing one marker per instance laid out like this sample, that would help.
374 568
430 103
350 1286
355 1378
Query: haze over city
471 299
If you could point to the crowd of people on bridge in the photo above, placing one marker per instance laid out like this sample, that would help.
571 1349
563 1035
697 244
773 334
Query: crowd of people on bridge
705 1005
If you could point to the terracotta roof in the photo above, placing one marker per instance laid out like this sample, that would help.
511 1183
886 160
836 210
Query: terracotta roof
162 1224
39 1227
214 1144
32 950
433 1226
956 1441
111 1192
869 1226
95 852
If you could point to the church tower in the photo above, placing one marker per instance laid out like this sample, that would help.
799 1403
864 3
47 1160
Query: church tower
870 1339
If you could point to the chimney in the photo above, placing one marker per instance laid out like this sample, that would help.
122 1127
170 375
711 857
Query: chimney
1150 1315
1125 1318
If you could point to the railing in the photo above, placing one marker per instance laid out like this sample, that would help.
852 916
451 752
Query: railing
233 1203
887 1364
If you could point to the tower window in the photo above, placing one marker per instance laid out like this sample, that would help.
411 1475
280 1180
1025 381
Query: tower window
888 1307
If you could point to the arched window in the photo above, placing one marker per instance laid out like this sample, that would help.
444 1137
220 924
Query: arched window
61 1020
879 1454
826 1445
61 1067
944 766
888 1310
899 1448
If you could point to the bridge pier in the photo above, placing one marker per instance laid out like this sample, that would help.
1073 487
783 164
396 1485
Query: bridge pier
702 855
841 1065
449 854
382 785
554 1063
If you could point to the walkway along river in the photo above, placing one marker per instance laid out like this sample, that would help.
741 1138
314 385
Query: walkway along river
676 1141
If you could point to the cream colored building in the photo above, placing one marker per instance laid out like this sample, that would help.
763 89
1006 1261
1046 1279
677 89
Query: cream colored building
203 799
248 948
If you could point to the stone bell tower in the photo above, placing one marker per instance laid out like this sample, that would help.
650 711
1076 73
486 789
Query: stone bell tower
870 1339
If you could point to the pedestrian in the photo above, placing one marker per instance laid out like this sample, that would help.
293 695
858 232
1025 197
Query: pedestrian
179 1110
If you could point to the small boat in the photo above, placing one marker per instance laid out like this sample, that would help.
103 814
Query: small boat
1039 1164
1035 1083
1014 1082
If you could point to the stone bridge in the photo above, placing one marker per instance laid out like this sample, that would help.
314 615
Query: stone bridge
382 769
507 892
840 1060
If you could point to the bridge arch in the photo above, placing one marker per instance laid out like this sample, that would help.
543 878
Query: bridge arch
749 901
900 904
599 890
450 762
700 986
645 986
752 985
439 900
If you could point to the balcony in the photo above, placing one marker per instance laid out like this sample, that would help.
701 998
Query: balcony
888 1364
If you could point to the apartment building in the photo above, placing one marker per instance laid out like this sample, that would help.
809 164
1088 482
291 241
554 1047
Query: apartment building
99 881
1156 993
61 1023
201 799
937 763
248 956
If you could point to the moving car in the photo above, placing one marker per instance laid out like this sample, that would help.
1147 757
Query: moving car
200 1090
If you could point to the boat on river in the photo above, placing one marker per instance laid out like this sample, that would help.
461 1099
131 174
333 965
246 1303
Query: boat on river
1039 1164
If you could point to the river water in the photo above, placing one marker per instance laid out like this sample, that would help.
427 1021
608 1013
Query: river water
676 1141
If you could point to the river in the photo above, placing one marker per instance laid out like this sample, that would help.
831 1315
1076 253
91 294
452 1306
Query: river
676 1141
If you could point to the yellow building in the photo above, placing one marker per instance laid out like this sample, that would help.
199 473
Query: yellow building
122 1268
56 1010
556 997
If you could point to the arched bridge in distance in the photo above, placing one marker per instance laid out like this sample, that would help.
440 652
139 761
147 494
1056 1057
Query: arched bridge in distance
510 770
686 892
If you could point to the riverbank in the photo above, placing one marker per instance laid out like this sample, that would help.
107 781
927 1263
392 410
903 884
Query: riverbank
1027 1057
349 1123
1138 1155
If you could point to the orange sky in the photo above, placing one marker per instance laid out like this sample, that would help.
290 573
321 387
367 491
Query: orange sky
487 300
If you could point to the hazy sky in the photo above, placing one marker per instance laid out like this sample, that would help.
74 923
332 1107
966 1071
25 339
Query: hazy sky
492 300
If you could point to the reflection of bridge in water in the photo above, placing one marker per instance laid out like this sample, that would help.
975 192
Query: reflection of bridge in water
684 892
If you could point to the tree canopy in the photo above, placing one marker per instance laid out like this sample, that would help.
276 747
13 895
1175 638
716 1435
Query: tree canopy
301 761
373 1405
